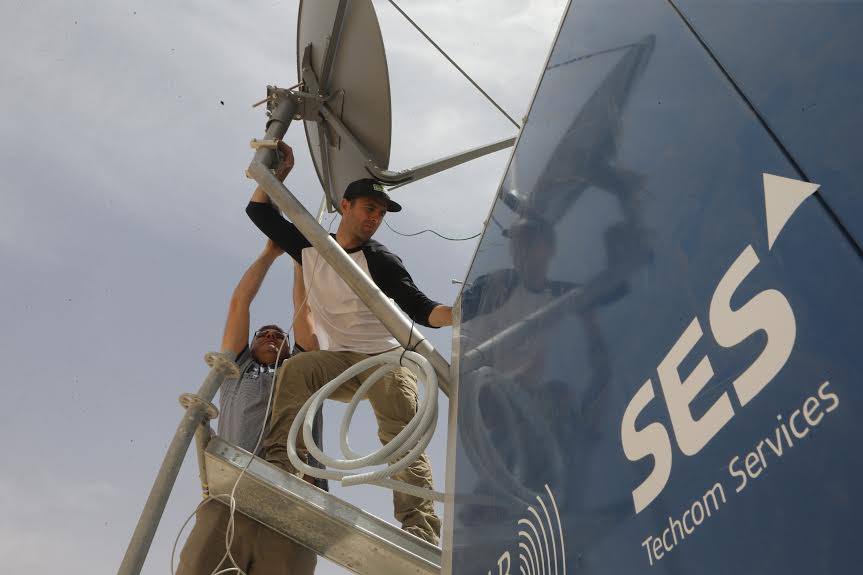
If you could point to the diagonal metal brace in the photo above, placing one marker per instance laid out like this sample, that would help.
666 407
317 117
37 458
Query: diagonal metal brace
383 307
403 177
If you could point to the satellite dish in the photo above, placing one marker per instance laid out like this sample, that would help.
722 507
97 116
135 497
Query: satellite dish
344 99
339 47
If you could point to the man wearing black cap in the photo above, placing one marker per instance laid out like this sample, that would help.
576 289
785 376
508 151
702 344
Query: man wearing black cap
352 332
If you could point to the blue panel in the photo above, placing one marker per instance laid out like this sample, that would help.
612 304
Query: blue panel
628 251
801 64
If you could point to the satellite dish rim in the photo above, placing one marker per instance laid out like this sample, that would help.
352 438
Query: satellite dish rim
374 34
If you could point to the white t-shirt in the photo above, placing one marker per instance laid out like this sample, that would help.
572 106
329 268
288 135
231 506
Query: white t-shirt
342 317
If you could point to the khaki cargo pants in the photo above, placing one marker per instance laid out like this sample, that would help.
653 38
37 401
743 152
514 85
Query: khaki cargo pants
257 549
394 401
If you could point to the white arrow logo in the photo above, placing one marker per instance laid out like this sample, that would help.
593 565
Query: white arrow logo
782 197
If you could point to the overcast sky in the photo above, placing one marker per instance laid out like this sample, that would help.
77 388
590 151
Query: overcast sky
125 130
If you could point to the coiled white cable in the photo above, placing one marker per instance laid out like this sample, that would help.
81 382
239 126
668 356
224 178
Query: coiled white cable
398 454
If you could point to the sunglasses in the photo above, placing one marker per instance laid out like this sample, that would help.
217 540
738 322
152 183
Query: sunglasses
270 332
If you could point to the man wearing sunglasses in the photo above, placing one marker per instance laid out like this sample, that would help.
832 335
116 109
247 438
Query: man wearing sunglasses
242 414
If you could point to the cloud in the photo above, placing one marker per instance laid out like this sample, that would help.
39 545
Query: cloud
51 515
139 124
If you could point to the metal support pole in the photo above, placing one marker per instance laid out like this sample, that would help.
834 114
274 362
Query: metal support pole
136 553
280 119
322 210
379 304
390 177
436 166
203 435
333 46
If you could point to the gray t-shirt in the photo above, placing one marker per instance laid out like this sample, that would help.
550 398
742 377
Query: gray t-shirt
243 405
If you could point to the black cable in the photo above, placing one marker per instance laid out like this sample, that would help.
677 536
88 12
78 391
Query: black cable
434 232
416 345
405 349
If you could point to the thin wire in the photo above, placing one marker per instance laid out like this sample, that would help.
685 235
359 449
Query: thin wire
232 502
229 532
770 132
408 344
457 67
434 232
186 522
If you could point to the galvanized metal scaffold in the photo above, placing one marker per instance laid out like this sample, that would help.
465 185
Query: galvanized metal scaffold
346 143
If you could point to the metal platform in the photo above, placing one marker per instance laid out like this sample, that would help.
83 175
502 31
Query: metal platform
322 522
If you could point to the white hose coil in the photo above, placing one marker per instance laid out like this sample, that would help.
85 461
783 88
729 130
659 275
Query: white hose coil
398 454
514 406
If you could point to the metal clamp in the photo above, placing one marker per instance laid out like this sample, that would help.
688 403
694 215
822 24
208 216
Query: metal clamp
188 400
218 360
311 98
256 143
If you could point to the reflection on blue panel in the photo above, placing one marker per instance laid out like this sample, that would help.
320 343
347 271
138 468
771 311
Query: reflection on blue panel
801 63
643 351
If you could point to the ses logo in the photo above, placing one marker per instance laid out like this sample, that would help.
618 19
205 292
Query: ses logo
767 311
541 549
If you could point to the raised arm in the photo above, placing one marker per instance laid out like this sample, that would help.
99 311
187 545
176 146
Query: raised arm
304 327
236 335
268 219
282 170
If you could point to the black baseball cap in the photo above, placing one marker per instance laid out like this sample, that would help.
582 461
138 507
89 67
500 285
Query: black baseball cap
370 188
